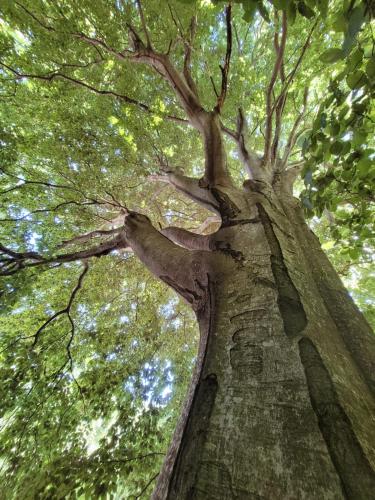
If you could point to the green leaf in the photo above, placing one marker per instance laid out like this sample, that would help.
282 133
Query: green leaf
356 80
291 12
363 167
250 8
322 7
370 68
336 147
305 10
354 59
356 18
332 55
264 12
340 24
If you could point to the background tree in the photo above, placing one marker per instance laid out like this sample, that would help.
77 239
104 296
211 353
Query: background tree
112 110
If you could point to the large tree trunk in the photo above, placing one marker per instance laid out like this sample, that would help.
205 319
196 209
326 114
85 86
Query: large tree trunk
282 401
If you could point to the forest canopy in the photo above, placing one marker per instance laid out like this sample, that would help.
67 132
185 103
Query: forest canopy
95 353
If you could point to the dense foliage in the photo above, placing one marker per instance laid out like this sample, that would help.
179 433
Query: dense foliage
95 355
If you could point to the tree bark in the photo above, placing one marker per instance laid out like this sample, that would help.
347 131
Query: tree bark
281 404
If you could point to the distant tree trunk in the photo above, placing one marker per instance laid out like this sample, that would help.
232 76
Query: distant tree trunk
282 401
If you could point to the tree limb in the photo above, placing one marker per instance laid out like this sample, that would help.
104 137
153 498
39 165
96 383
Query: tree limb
289 78
144 25
11 262
293 133
251 161
187 239
83 238
61 76
225 69
269 107
187 59
191 187
176 266
65 310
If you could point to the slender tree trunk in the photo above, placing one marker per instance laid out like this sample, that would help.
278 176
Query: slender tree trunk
282 401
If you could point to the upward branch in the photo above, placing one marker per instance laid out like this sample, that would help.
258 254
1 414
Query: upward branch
206 122
269 93
187 59
225 69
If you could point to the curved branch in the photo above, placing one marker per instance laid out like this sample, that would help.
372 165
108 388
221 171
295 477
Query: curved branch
191 187
187 239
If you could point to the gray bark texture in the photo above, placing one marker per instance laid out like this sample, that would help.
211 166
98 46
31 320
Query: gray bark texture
281 404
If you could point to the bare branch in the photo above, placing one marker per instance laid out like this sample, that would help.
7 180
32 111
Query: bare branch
293 133
147 485
25 182
269 108
84 238
144 25
187 59
96 42
61 76
65 310
289 78
11 262
225 69
249 158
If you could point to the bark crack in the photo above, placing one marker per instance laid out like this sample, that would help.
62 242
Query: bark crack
348 458
288 299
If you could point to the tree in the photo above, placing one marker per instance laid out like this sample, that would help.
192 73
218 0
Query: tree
109 109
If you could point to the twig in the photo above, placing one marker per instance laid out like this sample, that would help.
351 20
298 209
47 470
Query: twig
65 310
147 485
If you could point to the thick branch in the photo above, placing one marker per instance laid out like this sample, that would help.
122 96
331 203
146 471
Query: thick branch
192 188
180 268
187 239
163 66
84 238
216 172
